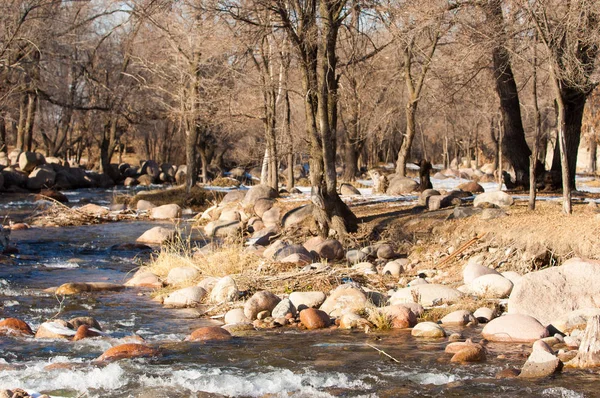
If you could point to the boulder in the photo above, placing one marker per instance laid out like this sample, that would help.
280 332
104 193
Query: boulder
94 210
208 283
71 288
233 196
514 328
474 270
130 182
303 300
425 195
273 248
224 291
28 161
209 333
313 318
166 212
55 330
143 278
234 316
186 297
83 332
497 198
85 320
541 362
491 286
385 252
230 215
179 275
345 298
130 350
427 295
465 212
259 192
460 317
271 217
552 293
14 327
428 329
145 180
469 353
574 320
260 301
297 258
471 186
262 205
330 249
284 308
151 168
41 177
400 316
157 235
223 228
484 314
264 236
394 268
289 250
353 321
296 216
401 185
348 189
365 267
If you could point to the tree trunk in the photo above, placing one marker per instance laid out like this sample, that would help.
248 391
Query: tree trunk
588 355
3 143
410 111
351 154
514 145
30 121
574 104
20 141
191 156
593 155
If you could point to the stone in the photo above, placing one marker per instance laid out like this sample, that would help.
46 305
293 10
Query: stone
394 268
552 293
208 283
514 328
41 177
144 205
223 228
484 314
264 236
465 212
385 252
262 205
588 355
469 353
416 308
83 332
289 250
313 318
512 276
14 327
235 315
365 268
145 180
574 320
28 161
273 248
260 301
143 278
348 189
209 334
186 297
297 216
456 346
230 215
166 212
284 308
418 281
474 270
471 186
491 286
356 256
179 275
541 362
492 214
330 249
259 192
425 195
297 258
85 320
94 210
130 350
400 316
497 198
224 291
401 185
427 295
71 288
236 195
151 168
345 298
509 373
54 330
271 217
313 243
130 182
428 329
460 317
303 300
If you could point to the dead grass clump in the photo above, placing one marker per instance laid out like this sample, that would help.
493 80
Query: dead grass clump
225 182
468 303
380 319
302 182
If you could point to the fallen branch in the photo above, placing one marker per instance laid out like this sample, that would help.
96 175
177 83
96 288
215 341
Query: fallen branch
460 250
384 353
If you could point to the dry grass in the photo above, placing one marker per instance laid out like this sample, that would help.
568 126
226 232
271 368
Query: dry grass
197 199
225 182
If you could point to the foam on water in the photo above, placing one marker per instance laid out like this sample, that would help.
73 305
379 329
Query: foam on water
232 382
61 264
561 392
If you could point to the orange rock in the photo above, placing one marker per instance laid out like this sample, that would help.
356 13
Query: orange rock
313 318
128 351
72 288
84 331
14 326
19 227
470 353
209 333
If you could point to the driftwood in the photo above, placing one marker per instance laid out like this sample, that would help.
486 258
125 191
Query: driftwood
589 349
460 250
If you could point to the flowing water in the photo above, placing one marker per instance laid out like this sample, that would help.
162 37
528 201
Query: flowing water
282 362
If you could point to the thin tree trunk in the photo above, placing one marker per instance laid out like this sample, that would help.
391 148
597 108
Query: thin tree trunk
593 155
21 126
30 120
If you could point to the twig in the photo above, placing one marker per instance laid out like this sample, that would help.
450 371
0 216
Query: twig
460 250
384 353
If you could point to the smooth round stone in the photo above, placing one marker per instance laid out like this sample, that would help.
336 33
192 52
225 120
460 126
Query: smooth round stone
428 329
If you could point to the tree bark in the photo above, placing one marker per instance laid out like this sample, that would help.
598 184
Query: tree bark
514 145
593 155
